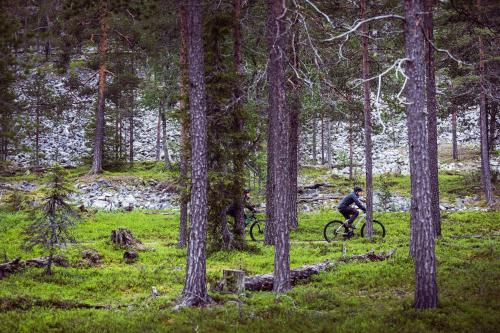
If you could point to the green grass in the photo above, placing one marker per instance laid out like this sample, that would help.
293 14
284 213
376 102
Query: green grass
352 297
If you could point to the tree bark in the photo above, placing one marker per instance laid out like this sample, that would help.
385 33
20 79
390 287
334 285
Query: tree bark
322 138
280 159
432 117
483 125
351 153
454 153
97 156
166 153
314 142
158 136
131 129
195 289
368 127
493 126
184 150
422 232
294 111
328 141
37 134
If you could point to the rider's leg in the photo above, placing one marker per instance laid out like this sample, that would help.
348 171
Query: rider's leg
354 215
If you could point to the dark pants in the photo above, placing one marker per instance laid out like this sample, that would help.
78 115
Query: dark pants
349 213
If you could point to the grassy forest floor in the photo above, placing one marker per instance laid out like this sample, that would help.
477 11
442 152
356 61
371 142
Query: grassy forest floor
353 296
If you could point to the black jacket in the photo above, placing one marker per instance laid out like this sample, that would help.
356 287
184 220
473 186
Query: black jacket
349 200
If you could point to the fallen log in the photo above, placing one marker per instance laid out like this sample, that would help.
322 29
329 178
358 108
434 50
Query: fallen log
10 267
18 264
370 256
264 282
43 261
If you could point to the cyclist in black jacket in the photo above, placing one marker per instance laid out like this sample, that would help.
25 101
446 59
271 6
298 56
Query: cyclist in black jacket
345 206
231 210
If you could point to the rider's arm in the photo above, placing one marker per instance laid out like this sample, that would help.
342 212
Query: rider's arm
250 207
358 203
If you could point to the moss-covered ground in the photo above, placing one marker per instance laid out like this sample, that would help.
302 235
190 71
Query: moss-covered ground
350 297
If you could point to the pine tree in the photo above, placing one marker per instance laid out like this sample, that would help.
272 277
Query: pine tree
51 229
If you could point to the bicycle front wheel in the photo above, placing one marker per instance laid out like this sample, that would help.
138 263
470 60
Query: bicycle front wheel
378 229
334 231
257 231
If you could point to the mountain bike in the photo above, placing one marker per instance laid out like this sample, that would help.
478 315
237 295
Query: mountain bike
335 230
256 227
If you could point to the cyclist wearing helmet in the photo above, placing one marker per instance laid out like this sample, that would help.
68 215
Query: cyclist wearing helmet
231 210
345 206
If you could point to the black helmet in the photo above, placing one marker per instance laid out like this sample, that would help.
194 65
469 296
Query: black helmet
357 189
247 190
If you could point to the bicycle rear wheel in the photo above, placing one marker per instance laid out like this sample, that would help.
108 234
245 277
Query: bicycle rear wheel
334 231
257 231
378 229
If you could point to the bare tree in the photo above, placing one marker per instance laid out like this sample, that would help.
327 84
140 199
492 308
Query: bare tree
279 160
97 156
422 244
432 116
184 153
368 125
454 153
483 124
195 288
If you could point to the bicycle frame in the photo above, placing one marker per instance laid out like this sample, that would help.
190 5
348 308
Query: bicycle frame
358 221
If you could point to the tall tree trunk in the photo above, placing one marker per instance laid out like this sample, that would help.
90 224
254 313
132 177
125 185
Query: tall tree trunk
328 140
280 159
351 153
454 153
493 126
195 285
422 244
432 117
483 126
239 152
314 143
166 153
322 138
294 110
37 135
158 136
184 153
99 128
368 126
131 130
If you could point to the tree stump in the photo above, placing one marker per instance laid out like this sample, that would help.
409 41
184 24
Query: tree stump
234 281
92 257
123 238
130 256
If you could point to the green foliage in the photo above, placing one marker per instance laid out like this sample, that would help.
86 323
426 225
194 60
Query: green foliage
15 201
54 219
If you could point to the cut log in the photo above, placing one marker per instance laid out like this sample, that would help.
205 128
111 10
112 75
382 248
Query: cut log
234 281
123 238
